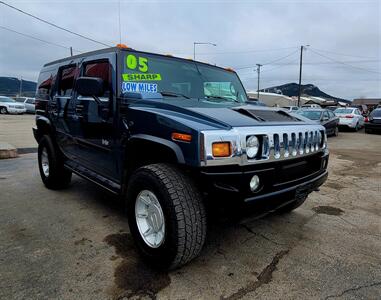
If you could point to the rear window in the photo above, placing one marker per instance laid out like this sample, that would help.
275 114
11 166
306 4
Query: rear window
313 115
343 111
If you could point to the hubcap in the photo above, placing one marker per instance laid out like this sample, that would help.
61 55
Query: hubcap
45 162
150 218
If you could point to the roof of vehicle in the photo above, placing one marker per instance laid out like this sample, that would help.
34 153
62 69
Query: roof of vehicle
115 49
313 109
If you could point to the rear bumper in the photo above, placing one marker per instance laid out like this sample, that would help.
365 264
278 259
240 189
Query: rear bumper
373 126
351 123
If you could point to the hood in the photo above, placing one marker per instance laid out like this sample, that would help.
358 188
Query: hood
220 117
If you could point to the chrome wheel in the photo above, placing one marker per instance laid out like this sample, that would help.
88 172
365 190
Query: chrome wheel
150 218
45 162
3 110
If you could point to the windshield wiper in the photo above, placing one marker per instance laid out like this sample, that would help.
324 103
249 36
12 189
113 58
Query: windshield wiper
173 94
222 98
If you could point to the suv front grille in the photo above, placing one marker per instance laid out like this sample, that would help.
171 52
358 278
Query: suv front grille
290 144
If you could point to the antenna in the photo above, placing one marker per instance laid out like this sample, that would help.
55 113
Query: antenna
120 30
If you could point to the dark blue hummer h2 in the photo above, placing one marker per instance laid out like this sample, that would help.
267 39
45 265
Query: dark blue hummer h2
171 136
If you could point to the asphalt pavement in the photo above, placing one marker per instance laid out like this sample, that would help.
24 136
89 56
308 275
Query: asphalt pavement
75 243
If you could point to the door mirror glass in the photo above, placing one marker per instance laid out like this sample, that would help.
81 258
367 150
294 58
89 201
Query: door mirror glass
90 86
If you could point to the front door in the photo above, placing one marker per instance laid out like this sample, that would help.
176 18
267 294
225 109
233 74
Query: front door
94 134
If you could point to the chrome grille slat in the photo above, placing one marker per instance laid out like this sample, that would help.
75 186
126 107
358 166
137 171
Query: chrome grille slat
277 143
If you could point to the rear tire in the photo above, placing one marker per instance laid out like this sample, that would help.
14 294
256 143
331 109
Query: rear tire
357 127
3 110
291 206
182 218
368 130
50 162
336 131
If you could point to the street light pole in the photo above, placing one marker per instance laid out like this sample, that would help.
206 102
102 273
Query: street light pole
200 43
300 72
259 73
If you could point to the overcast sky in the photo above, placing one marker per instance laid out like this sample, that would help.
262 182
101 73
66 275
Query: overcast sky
344 37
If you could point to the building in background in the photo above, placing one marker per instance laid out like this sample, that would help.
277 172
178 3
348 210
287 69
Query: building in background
371 103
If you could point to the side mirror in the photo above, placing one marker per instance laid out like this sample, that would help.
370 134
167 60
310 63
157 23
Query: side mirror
90 86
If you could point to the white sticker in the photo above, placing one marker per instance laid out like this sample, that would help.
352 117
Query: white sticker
135 87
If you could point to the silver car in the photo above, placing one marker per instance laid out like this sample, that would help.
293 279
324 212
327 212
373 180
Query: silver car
29 103
350 117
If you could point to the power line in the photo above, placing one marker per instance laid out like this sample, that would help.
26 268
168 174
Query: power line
342 54
54 25
38 39
343 63
268 63
233 52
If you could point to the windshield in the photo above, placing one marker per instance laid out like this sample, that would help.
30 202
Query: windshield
6 99
313 115
343 111
180 78
376 113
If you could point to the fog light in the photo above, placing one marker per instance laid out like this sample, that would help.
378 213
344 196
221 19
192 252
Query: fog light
254 183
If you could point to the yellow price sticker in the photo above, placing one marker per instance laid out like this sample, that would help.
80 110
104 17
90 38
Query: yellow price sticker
141 77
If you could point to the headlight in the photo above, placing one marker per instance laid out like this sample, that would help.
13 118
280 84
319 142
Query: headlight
252 146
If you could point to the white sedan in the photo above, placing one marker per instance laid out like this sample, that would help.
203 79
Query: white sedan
350 117
10 106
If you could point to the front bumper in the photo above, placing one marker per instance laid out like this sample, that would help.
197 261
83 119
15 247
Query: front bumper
16 110
281 182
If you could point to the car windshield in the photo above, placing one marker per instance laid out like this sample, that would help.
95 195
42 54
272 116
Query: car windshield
343 111
376 113
311 114
180 78
6 99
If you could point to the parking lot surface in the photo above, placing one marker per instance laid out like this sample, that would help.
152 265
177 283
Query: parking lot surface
75 243
17 130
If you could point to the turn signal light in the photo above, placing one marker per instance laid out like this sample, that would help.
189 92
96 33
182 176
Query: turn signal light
182 137
366 119
221 149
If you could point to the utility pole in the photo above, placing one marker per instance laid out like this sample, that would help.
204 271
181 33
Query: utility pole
71 51
300 72
259 74
20 91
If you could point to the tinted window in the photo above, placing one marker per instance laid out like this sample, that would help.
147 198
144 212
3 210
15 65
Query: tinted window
66 83
30 101
326 115
6 99
100 70
45 83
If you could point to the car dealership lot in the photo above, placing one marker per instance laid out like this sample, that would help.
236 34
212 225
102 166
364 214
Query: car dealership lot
75 243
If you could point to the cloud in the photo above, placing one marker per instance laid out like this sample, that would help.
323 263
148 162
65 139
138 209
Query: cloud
344 27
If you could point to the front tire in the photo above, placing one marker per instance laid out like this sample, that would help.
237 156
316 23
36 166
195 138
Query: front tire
52 171
336 131
166 215
3 110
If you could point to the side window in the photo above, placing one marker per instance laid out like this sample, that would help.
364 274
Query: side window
326 116
66 80
30 101
100 69
331 114
45 83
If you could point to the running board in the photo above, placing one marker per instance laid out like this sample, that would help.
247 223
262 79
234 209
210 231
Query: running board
99 180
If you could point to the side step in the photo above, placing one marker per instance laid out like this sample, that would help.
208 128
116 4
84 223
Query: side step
85 173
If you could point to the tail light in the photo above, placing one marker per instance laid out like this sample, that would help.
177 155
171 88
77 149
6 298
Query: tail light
349 117
366 119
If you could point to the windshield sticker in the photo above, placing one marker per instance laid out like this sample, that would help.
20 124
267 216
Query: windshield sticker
141 63
140 77
136 87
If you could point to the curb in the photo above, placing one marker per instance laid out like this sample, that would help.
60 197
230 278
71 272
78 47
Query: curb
7 151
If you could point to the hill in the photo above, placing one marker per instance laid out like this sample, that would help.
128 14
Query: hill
292 89
10 86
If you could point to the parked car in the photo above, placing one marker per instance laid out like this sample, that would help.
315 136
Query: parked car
28 102
10 106
143 126
291 108
323 116
373 121
255 102
331 107
350 117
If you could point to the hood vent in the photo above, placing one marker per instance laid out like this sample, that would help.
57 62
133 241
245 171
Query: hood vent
267 115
